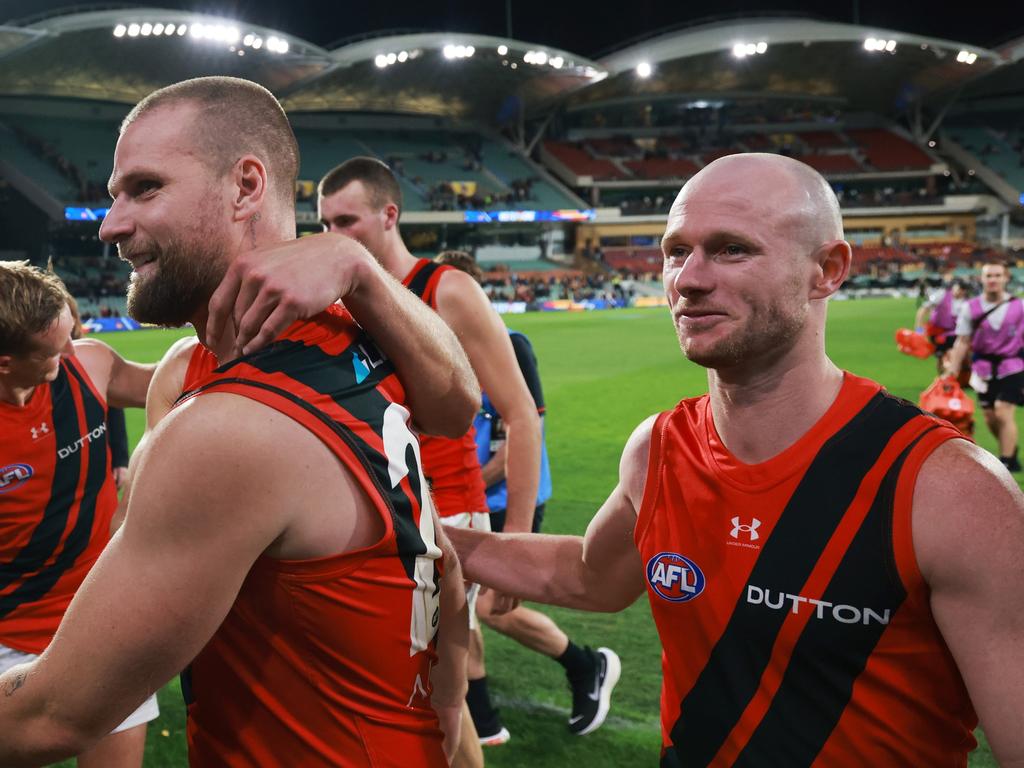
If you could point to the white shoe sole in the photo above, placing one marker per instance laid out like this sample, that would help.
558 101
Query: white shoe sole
611 679
501 737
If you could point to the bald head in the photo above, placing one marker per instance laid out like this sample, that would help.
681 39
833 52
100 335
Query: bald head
778 191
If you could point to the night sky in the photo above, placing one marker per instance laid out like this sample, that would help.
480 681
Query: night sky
587 28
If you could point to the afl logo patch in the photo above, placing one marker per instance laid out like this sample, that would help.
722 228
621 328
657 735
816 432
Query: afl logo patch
675 578
14 476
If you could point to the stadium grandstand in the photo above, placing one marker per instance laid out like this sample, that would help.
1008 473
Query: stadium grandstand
540 160
555 166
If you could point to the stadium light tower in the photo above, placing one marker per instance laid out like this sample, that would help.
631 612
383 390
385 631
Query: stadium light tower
644 69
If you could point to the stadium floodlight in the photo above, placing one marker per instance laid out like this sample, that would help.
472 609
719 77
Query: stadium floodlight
470 50
182 30
972 58
890 46
643 69
133 30
460 51
761 47
870 43
247 40
146 29
931 143
119 30
196 30
514 65
739 50
169 30
391 58
502 50
541 58
403 56
257 43
449 51
158 29
380 60
556 62
233 34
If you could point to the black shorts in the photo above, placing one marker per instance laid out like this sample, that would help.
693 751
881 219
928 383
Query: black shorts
945 346
498 519
1009 389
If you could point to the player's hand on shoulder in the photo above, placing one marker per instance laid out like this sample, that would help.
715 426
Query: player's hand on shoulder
268 288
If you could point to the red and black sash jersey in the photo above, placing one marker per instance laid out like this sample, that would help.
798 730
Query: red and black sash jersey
57 498
795 623
451 464
326 662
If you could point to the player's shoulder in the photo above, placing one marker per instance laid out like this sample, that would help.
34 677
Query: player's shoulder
90 349
965 502
453 284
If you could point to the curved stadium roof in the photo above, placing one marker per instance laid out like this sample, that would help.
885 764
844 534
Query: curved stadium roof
120 56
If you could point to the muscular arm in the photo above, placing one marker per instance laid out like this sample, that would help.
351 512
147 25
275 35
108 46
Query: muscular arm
465 308
140 616
265 290
601 571
123 382
968 523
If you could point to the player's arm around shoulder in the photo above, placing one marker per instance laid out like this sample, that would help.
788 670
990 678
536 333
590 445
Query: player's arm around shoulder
600 571
968 529
123 382
210 495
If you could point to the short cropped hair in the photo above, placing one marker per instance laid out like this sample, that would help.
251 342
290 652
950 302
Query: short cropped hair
378 180
31 299
236 117
462 261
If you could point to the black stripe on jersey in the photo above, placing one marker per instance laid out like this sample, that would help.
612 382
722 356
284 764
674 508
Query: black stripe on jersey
46 536
334 376
733 671
55 517
421 280
830 655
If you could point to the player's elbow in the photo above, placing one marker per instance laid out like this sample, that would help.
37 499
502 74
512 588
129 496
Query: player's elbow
451 415
48 740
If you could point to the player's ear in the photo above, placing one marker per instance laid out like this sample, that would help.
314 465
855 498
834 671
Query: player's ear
390 216
832 266
250 187
5 363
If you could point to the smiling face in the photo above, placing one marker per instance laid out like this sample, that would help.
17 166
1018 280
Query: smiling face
169 217
41 362
738 266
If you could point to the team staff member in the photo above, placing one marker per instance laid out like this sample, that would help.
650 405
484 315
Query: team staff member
361 198
991 328
835 576
938 317
587 670
345 569
57 489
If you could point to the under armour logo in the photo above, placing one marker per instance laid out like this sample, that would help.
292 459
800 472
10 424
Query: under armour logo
42 429
750 530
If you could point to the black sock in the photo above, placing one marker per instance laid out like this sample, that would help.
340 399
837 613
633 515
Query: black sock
480 709
577 661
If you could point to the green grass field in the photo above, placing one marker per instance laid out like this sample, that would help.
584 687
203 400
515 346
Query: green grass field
603 372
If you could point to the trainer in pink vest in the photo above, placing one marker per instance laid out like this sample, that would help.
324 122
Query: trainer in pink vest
1005 343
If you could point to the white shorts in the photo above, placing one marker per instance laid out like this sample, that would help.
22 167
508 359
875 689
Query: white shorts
478 521
148 711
